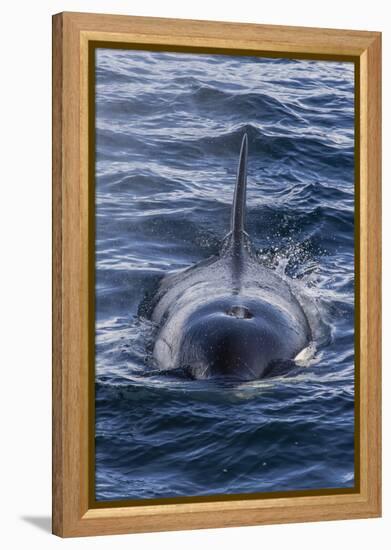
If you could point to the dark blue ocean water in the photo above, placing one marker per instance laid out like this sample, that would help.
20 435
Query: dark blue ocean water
169 127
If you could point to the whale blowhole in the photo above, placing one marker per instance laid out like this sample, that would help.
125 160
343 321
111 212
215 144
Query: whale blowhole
240 312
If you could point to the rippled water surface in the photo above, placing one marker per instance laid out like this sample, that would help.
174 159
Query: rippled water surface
168 133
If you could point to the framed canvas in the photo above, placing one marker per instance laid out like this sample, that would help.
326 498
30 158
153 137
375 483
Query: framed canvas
216 274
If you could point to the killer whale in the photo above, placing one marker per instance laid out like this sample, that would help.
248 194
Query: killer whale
228 316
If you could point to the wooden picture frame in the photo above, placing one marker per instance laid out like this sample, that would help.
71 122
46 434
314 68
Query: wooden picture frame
74 512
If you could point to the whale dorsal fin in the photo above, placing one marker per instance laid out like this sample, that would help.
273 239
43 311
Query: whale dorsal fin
238 214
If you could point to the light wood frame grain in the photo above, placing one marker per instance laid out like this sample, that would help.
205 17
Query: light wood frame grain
73 514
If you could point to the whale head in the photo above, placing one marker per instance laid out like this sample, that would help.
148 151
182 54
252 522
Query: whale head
232 338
